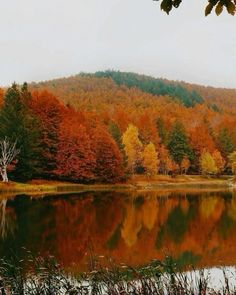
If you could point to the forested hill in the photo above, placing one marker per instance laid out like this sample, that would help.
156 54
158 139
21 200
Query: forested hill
80 86
101 127
154 86
146 84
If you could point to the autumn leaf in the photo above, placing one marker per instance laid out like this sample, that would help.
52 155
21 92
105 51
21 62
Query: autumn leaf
219 8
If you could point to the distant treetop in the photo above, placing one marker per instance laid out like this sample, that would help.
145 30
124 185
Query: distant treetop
218 5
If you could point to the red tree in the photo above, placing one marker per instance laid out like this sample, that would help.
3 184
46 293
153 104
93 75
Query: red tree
108 157
49 111
75 158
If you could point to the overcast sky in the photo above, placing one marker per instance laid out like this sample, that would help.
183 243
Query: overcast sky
44 39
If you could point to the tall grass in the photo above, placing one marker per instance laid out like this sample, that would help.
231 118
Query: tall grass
44 276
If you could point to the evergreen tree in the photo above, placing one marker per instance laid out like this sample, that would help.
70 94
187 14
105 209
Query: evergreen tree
225 142
178 143
17 124
114 130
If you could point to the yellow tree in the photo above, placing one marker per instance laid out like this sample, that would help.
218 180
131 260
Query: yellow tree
207 163
232 162
219 161
150 159
133 147
184 165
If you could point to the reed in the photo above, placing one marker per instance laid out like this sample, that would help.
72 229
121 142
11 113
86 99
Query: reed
44 276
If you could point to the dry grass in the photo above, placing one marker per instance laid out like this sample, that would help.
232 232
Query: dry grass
44 276
135 182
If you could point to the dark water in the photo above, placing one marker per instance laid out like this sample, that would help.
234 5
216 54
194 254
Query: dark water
196 228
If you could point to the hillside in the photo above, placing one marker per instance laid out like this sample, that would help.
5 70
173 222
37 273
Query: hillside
108 83
100 127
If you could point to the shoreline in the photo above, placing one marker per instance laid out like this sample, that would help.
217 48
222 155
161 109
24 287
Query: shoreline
138 182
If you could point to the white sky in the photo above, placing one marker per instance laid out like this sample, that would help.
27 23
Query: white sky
44 39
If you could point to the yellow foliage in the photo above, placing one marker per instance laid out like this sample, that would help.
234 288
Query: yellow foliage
207 163
131 226
137 218
232 162
207 207
150 160
132 146
149 213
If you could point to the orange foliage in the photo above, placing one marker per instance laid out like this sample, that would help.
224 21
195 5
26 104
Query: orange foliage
75 158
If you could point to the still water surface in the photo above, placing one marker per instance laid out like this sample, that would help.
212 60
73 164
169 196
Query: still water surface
132 227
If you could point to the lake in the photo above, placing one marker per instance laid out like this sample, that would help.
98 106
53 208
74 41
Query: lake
197 227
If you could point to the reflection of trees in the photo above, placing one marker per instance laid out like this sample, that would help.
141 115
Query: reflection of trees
141 212
130 227
232 209
7 220
211 207
227 222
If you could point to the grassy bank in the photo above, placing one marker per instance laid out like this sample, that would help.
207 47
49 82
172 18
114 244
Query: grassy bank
46 276
135 182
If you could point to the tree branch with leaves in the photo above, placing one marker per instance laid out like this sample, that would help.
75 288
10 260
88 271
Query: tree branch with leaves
218 5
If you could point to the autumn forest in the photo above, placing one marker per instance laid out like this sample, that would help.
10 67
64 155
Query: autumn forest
104 127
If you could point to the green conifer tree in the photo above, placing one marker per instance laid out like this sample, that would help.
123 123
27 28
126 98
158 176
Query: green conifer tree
178 143
115 132
16 123
225 143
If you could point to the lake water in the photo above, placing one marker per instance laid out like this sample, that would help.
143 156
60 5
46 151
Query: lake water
196 228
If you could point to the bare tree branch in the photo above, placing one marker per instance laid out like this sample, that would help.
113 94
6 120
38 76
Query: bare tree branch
8 152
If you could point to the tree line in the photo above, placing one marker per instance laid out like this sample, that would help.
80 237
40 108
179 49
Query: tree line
55 142
112 133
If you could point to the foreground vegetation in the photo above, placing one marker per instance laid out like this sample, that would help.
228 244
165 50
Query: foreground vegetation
45 276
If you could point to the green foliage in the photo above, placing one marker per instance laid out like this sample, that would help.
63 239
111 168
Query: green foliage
178 143
226 225
214 107
114 239
175 226
16 123
114 130
115 133
187 258
225 143
154 86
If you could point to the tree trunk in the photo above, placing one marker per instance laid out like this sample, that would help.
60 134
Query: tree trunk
4 174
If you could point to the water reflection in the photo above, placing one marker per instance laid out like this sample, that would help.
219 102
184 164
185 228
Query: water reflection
196 228
7 220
